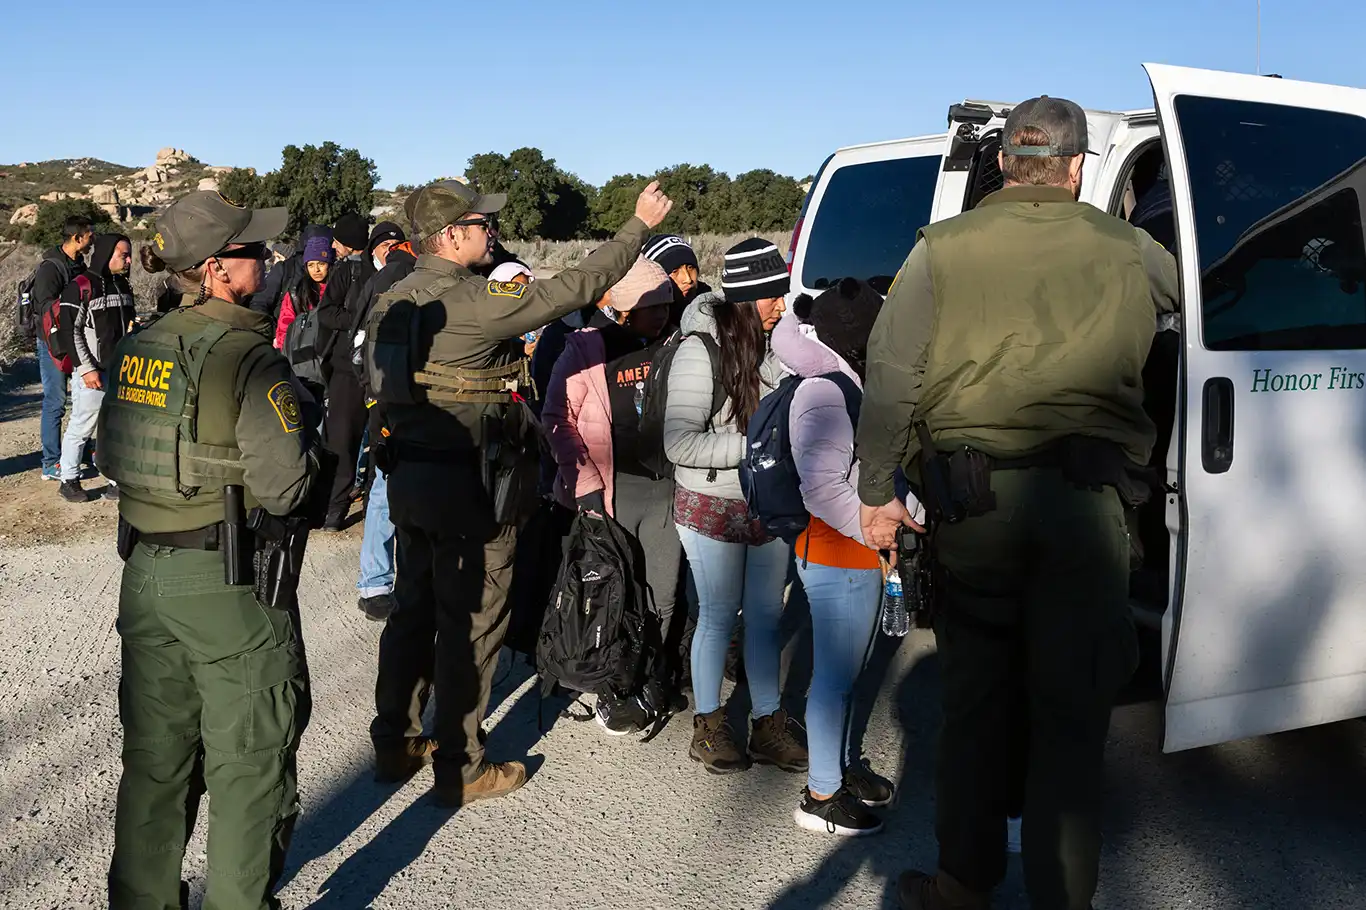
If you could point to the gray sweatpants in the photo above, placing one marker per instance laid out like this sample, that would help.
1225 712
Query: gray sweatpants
645 508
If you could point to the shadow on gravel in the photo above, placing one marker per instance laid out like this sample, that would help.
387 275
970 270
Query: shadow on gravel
909 820
18 464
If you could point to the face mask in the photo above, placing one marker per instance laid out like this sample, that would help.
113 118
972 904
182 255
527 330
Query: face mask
378 265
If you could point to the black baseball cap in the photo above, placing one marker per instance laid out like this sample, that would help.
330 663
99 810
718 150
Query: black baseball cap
1063 121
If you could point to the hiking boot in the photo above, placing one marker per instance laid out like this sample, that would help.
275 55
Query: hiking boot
842 814
867 787
335 521
497 779
110 494
713 744
395 764
620 716
71 491
377 608
771 743
917 890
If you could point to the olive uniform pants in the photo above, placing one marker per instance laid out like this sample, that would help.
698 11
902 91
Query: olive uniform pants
1032 617
214 695
451 589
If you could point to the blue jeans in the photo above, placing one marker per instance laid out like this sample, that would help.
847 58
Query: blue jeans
377 545
54 406
844 610
727 576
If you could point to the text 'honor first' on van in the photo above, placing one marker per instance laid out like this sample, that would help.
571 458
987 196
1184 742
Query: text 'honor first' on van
1254 568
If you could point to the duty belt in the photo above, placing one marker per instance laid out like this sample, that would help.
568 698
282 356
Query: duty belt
498 385
198 539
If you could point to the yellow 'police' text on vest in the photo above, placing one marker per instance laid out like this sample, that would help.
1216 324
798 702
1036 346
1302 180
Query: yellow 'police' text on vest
144 380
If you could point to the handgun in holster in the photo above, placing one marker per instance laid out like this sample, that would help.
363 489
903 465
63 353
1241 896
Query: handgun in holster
280 545
934 475
127 539
508 467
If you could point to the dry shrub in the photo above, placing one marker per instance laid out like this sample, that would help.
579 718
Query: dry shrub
556 256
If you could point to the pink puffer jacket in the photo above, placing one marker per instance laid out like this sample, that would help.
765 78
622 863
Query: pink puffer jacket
578 420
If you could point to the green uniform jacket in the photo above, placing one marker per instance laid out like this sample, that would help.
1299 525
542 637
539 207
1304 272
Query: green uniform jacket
1011 326
467 321
247 401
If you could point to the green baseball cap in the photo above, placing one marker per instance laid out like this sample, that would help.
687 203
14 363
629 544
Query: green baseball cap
202 223
432 207
1063 121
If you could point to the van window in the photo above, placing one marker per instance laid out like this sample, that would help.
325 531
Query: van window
1278 224
867 220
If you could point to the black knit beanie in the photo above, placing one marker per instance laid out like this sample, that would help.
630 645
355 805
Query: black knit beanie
754 270
843 318
352 231
670 251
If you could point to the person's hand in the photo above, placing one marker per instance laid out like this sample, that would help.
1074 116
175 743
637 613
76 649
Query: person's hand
653 206
592 503
92 380
880 523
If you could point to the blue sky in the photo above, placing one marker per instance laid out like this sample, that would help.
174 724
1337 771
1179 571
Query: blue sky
604 87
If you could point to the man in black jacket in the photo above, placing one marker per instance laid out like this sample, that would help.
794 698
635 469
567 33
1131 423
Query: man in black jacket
345 405
58 266
376 582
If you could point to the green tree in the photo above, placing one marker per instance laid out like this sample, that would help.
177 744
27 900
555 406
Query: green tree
764 201
570 218
615 203
535 189
695 190
318 184
47 230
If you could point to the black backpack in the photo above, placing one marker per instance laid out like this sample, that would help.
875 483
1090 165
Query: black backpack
768 474
303 344
594 635
656 396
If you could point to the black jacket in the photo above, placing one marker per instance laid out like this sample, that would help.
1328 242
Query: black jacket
92 325
398 266
51 276
344 285
282 276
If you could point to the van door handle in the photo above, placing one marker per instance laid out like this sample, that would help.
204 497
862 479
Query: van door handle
1216 450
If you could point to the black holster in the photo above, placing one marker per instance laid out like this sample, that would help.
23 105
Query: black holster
127 539
279 560
237 545
509 466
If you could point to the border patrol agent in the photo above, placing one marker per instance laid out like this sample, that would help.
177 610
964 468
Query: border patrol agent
445 356
214 690
1005 370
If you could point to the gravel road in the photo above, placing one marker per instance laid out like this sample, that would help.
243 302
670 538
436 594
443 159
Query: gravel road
609 822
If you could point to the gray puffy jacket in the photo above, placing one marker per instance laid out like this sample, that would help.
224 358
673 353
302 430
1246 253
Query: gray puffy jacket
696 444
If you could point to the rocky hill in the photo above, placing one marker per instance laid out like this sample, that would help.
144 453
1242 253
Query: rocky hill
128 194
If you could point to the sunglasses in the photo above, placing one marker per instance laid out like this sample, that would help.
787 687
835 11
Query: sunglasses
489 224
246 251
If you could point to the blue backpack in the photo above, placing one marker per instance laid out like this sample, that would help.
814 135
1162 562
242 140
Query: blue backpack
768 474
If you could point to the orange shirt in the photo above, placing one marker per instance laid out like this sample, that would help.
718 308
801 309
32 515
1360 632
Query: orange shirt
825 546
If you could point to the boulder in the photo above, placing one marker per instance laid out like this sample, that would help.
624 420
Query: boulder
218 171
153 174
170 156
26 215
208 183
77 175
104 194
115 212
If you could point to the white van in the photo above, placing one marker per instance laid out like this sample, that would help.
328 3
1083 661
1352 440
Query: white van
1255 566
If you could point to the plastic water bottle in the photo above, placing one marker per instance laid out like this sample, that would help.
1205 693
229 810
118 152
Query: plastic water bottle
639 399
895 620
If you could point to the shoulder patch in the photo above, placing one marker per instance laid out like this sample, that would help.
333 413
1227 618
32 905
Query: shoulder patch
506 289
286 405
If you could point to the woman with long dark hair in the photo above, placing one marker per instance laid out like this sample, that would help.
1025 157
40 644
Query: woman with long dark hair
733 563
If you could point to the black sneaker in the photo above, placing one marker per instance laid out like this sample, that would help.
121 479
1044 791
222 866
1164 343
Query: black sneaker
111 493
867 787
842 815
378 608
71 491
620 716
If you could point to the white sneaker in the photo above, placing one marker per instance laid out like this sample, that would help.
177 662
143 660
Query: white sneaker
1013 836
